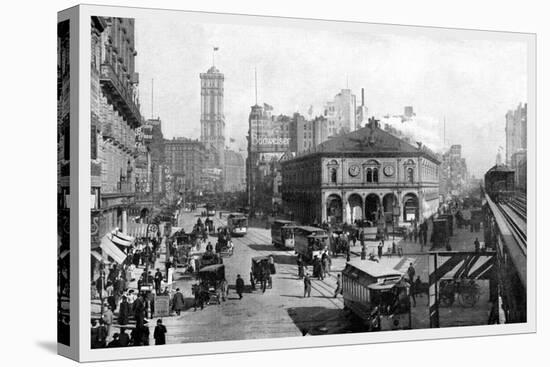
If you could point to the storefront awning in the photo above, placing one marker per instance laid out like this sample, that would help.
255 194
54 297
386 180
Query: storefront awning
137 230
119 241
110 249
97 256
124 236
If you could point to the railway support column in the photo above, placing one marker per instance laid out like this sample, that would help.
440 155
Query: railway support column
433 293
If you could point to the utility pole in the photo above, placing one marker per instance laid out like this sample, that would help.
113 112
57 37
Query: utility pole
152 99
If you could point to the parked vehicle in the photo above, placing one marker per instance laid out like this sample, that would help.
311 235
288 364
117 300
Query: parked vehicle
376 295
282 233
210 279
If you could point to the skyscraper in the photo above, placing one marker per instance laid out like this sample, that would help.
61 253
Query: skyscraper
341 113
516 131
212 117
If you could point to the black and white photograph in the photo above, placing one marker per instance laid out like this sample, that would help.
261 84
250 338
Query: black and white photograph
63 184
254 181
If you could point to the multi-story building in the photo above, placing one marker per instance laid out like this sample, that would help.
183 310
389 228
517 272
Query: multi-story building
154 140
115 116
362 112
341 113
367 174
143 170
212 115
268 139
234 172
516 144
516 131
454 178
186 160
306 134
408 112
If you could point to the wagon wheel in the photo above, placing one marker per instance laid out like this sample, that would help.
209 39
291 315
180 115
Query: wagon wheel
445 300
469 297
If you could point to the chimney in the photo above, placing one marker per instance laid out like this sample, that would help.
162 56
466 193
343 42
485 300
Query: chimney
362 96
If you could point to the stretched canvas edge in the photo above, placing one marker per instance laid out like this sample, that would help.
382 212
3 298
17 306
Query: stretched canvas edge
83 169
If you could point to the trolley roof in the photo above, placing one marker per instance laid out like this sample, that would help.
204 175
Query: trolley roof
374 269
311 229
284 221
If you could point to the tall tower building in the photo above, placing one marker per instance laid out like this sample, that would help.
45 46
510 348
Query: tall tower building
212 117
516 131
341 113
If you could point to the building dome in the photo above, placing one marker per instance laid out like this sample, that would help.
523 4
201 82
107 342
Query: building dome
213 70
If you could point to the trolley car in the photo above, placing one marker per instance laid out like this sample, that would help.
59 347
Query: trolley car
378 296
282 233
237 224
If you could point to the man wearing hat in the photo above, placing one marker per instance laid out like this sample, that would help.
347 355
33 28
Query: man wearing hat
178 302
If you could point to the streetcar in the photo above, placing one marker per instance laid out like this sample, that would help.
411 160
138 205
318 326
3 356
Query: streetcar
376 295
237 223
282 233
210 210
310 242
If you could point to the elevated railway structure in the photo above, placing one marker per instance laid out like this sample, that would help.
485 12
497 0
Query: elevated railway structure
506 232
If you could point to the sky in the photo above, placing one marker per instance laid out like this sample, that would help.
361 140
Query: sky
468 82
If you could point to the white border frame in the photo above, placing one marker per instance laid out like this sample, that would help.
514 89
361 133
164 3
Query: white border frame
86 354
71 15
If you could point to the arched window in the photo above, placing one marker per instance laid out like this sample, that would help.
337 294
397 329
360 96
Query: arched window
369 175
410 175
375 175
333 175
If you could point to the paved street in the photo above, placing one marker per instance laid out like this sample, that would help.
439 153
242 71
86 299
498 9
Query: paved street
282 310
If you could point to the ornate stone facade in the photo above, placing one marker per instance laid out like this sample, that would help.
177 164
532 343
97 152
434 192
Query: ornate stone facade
368 174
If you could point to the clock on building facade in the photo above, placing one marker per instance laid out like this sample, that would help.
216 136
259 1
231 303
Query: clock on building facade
354 171
389 171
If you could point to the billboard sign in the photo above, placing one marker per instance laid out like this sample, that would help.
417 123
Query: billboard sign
269 136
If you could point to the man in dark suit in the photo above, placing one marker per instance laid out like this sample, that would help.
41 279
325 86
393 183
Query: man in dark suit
178 302
160 333
239 286
158 281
